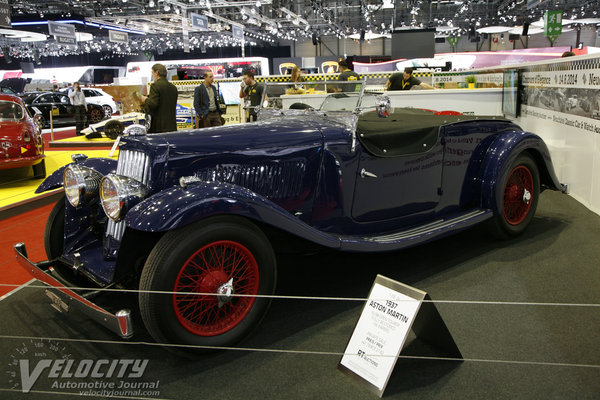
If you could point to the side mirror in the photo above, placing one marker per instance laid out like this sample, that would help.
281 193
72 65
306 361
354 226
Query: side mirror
383 106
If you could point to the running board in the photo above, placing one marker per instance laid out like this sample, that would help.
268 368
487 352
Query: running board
416 235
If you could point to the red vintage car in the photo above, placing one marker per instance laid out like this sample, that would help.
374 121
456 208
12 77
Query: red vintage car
21 142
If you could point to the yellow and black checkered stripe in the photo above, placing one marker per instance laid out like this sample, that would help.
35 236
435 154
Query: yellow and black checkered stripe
307 77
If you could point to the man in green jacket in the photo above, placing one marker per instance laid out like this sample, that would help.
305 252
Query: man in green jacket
161 103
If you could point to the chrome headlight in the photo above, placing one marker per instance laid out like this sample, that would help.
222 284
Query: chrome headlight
80 183
119 193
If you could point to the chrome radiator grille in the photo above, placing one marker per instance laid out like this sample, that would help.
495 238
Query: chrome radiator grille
132 164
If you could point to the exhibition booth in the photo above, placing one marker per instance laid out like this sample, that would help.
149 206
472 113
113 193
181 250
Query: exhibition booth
523 309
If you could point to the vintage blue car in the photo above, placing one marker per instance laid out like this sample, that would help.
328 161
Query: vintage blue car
193 219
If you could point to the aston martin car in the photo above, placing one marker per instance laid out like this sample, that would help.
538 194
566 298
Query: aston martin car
193 219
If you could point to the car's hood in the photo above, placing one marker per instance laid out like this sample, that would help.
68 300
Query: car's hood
252 138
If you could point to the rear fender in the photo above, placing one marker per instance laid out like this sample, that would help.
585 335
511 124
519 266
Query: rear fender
500 156
55 180
178 207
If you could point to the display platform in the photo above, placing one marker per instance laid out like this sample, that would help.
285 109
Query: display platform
506 304
81 141
17 186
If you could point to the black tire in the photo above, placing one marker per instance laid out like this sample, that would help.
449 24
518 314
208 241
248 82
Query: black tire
54 233
170 319
54 238
43 122
39 170
113 128
107 111
95 115
517 196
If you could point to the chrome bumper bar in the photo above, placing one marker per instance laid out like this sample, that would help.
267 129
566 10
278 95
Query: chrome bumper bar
64 298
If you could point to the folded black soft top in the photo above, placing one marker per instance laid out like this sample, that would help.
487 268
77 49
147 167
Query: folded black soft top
406 130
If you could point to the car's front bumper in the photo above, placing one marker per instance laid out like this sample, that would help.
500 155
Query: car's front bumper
64 298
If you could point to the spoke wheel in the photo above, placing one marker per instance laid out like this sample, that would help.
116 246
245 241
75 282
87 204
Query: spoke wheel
95 115
516 198
202 268
107 111
516 201
219 269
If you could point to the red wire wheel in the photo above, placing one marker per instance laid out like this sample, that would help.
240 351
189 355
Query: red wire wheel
219 269
517 197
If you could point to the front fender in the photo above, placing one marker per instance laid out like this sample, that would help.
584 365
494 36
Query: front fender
55 180
500 156
178 207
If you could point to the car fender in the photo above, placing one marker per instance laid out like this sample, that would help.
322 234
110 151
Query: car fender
500 155
177 207
55 180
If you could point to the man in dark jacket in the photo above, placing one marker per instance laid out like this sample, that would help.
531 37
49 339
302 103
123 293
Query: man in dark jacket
161 103
206 103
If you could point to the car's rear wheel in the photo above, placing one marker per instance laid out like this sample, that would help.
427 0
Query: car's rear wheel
95 115
39 170
107 110
516 197
220 257
113 129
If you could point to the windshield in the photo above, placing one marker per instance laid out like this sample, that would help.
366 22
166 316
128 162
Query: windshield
327 95
10 111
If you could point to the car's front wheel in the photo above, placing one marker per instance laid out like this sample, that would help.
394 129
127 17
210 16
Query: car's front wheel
203 268
516 197
113 128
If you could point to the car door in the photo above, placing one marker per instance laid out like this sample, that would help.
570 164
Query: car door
45 103
393 187
66 109
91 96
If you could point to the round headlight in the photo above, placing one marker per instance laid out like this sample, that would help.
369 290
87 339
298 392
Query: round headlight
119 193
80 183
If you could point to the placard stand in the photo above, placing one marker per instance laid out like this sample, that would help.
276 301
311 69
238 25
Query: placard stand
390 312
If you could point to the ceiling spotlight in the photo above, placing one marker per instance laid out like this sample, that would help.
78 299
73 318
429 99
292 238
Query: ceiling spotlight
151 3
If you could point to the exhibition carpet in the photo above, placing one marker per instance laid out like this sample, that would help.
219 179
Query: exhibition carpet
29 229
523 312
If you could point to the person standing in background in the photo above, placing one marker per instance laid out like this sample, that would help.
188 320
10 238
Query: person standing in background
253 91
161 103
405 81
346 74
206 103
78 100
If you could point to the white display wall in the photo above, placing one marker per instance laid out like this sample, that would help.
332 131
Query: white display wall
562 104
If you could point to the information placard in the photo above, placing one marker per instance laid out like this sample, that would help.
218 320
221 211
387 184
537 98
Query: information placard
380 333
392 309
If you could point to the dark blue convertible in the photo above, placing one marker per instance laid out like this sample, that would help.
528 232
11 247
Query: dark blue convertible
200 214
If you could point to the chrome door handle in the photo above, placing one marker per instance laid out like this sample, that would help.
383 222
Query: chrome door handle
365 173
